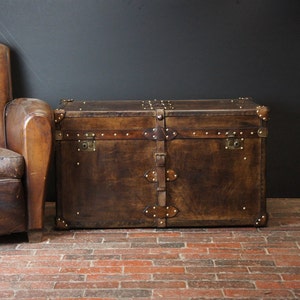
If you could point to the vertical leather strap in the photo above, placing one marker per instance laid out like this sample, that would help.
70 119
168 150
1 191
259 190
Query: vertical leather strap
160 161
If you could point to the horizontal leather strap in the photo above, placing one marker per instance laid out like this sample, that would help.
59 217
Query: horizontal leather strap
136 134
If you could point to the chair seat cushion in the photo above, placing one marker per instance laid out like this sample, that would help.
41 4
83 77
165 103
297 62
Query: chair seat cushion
11 164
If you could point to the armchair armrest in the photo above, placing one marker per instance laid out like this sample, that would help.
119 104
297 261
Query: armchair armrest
29 132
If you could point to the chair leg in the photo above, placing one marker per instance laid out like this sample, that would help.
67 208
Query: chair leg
35 236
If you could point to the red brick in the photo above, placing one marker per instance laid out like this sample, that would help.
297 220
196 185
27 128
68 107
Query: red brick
61 264
288 277
202 284
248 277
287 260
154 270
92 270
284 251
186 277
118 293
240 262
150 256
48 294
153 284
52 278
229 245
134 263
6 294
118 277
187 293
217 270
264 294
277 284
180 262
87 285
31 271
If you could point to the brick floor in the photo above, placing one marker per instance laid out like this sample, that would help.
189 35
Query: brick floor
199 263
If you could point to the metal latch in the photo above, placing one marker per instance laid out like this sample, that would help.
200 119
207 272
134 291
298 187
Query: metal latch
232 142
89 143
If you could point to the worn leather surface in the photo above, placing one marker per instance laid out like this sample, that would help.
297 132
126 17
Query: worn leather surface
25 151
12 206
11 164
213 146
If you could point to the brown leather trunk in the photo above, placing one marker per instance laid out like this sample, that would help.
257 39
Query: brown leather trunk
160 163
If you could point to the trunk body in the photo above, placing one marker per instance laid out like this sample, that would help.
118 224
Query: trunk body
160 163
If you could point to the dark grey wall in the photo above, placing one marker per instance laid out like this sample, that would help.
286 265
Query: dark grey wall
170 49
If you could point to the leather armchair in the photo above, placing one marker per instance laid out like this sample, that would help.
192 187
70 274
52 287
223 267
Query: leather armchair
25 150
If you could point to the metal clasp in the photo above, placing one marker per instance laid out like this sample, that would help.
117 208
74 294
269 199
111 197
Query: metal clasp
89 143
233 143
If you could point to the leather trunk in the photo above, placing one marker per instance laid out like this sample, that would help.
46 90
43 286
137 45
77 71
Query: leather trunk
160 163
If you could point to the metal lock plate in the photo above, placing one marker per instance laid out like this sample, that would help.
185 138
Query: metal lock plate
233 143
89 143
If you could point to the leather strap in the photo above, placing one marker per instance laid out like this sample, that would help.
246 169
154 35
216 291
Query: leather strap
160 161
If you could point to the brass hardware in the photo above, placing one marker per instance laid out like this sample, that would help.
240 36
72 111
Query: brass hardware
262 132
151 175
233 143
64 101
61 224
59 114
89 143
154 104
58 135
160 134
171 175
87 146
262 112
156 211
261 221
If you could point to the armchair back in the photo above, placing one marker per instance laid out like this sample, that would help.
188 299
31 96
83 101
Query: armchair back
5 87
